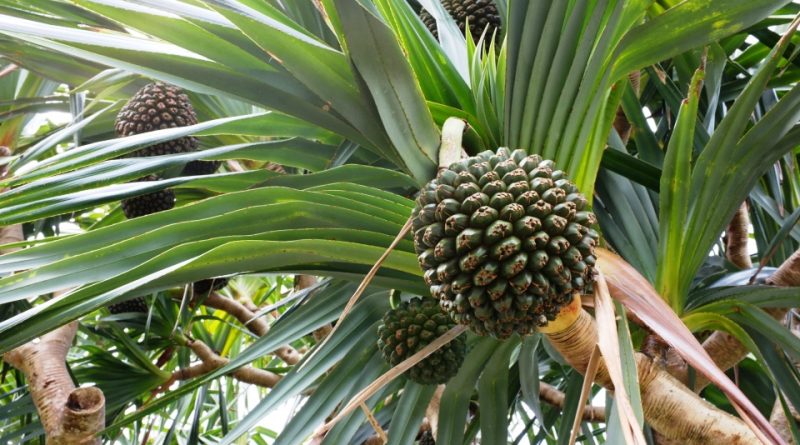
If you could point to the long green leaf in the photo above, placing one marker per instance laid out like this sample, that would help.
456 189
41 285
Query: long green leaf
390 81
493 396
688 25
409 413
675 197
456 396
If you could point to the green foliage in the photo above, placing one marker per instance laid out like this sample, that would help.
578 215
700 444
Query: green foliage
348 97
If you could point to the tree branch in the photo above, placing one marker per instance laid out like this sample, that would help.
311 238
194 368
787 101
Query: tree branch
255 324
736 239
779 420
552 396
670 407
11 234
69 415
778 417
211 361
304 282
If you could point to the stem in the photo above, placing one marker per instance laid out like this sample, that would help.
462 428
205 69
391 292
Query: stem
672 409
781 423
211 361
69 415
450 150
550 395
432 411
778 417
249 319
736 239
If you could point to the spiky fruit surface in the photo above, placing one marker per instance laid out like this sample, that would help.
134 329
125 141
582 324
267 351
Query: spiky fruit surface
504 240
155 107
137 304
479 13
196 168
148 203
203 287
410 327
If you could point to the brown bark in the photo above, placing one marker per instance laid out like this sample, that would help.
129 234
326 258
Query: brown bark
736 239
211 361
432 411
69 415
781 423
255 324
374 440
788 274
11 234
672 409
724 348
304 282
552 396
778 417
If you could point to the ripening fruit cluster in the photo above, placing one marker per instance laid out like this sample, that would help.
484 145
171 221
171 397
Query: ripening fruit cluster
412 326
504 240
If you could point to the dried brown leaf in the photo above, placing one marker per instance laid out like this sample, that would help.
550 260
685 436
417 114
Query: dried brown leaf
609 347
630 288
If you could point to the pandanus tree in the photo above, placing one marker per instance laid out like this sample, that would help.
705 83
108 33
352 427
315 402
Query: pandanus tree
577 187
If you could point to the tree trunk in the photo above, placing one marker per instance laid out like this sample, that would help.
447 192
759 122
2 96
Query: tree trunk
669 407
70 415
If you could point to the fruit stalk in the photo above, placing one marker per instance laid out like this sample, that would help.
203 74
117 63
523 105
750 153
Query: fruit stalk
672 409
452 133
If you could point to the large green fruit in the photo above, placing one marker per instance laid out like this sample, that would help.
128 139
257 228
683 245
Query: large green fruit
410 327
479 13
504 241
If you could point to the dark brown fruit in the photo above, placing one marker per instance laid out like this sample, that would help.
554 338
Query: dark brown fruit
410 327
148 203
155 107
137 304
197 168
480 14
203 287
